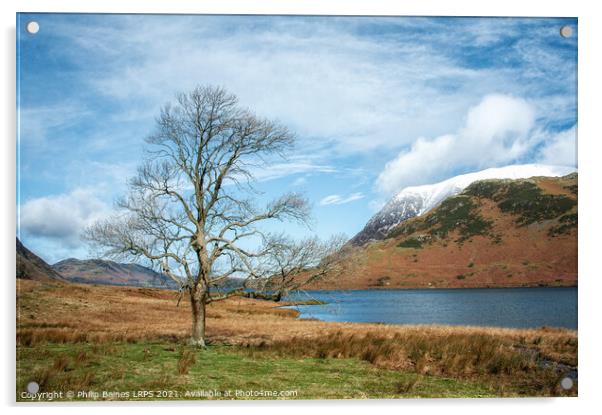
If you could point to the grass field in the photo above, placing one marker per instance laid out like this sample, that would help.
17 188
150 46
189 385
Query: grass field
221 372
130 342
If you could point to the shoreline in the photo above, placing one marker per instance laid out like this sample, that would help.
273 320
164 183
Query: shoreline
435 288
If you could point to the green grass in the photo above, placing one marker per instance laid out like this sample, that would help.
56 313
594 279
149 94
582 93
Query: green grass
410 243
522 198
572 188
458 213
566 224
128 367
311 301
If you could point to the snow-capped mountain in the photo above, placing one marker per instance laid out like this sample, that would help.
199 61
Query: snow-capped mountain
417 200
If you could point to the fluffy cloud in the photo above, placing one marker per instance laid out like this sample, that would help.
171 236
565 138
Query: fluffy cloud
61 218
340 200
497 131
560 149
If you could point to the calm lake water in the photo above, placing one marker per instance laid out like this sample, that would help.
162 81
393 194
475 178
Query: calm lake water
503 307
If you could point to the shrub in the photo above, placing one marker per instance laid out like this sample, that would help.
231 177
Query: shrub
566 224
410 243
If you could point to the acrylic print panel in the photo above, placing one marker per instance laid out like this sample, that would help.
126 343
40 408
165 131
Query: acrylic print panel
295 207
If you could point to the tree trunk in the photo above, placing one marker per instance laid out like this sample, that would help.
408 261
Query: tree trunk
197 302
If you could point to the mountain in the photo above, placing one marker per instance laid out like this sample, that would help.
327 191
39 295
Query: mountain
417 200
32 267
98 271
495 233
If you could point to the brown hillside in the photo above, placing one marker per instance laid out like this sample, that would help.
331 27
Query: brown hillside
32 267
497 233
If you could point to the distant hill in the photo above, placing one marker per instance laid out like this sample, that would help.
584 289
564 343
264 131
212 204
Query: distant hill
495 233
104 272
32 267
98 271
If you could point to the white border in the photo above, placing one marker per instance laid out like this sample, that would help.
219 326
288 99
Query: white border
590 178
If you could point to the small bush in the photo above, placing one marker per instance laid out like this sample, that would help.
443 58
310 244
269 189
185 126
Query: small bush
410 243
566 224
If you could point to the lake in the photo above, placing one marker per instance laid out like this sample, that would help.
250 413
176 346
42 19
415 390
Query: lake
502 307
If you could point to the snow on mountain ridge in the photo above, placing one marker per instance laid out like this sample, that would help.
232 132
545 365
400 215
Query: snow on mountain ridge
417 200
433 194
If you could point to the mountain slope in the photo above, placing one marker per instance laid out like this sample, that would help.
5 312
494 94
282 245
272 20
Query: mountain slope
32 267
496 233
98 271
417 200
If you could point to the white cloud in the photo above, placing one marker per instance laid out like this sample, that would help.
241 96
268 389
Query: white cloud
278 170
496 131
326 81
62 218
560 149
36 123
299 181
340 200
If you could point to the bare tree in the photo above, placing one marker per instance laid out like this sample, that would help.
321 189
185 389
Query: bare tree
188 210
290 265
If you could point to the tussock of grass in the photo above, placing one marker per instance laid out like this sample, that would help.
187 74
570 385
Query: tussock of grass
186 360
32 337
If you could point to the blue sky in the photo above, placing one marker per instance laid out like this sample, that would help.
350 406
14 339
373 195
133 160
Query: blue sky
377 104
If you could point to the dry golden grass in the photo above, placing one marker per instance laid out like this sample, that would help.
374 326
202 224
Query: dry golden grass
185 361
69 313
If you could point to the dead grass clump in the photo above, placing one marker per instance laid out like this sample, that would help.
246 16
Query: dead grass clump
32 337
186 360
380 351
61 376
449 354
81 357
60 364
407 386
